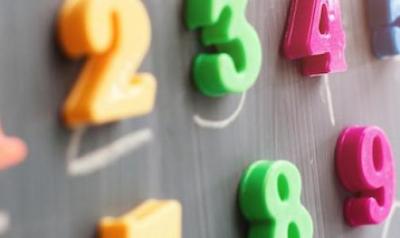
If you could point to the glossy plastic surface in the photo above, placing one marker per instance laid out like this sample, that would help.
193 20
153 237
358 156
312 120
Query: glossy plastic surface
236 63
12 151
384 21
365 167
315 35
115 36
152 219
270 200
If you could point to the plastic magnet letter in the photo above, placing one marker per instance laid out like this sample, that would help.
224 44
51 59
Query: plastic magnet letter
365 167
115 35
12 151
384 20
315 35
236 64
153 219
270 200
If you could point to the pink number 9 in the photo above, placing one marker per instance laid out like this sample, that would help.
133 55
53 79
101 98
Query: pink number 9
365 167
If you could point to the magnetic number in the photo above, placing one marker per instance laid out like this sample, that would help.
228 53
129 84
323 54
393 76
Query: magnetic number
315 35
384 18
115 35
236 64
152 219
12 151
270 200
365 168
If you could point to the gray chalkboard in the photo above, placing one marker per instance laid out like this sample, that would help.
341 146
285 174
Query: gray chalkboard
285 116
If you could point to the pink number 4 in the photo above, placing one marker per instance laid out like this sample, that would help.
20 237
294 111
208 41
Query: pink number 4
365 167
315 35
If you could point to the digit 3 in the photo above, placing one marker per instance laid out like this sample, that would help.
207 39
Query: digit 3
268 191
236 64
115 35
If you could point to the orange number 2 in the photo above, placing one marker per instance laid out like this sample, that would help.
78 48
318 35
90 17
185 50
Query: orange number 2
115 35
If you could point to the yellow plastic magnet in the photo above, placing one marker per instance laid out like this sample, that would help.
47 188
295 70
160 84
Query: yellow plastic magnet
152 219
115 36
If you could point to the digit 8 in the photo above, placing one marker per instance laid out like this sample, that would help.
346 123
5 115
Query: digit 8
270 200
365 167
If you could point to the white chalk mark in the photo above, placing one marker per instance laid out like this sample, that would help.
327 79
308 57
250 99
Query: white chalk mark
389 219
104 156
4 222
206 123
329 99
74 144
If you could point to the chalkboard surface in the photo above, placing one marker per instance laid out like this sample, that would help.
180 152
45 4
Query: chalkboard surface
166 154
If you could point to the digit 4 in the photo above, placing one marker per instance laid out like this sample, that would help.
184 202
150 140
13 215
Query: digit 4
269 199
365 167
236 64
315 35
115 35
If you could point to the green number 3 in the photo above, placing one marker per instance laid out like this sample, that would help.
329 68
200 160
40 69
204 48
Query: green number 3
235 66
270 200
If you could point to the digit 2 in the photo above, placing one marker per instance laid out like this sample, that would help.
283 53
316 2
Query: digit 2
315 35
115 35
269 199
236 64
365 167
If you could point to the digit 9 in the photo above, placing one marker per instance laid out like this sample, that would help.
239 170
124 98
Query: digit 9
365 167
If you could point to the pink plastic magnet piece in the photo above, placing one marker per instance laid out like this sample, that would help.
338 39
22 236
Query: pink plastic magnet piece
365 167
315 35
12 151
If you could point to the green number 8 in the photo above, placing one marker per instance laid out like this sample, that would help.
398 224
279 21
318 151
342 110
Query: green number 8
270 200
235 66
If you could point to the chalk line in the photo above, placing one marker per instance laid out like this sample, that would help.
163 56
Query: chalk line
75 142
220 124
329 99
388 222
4 222
102 157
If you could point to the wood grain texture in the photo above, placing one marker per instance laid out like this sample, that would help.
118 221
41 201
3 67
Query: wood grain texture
285 116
